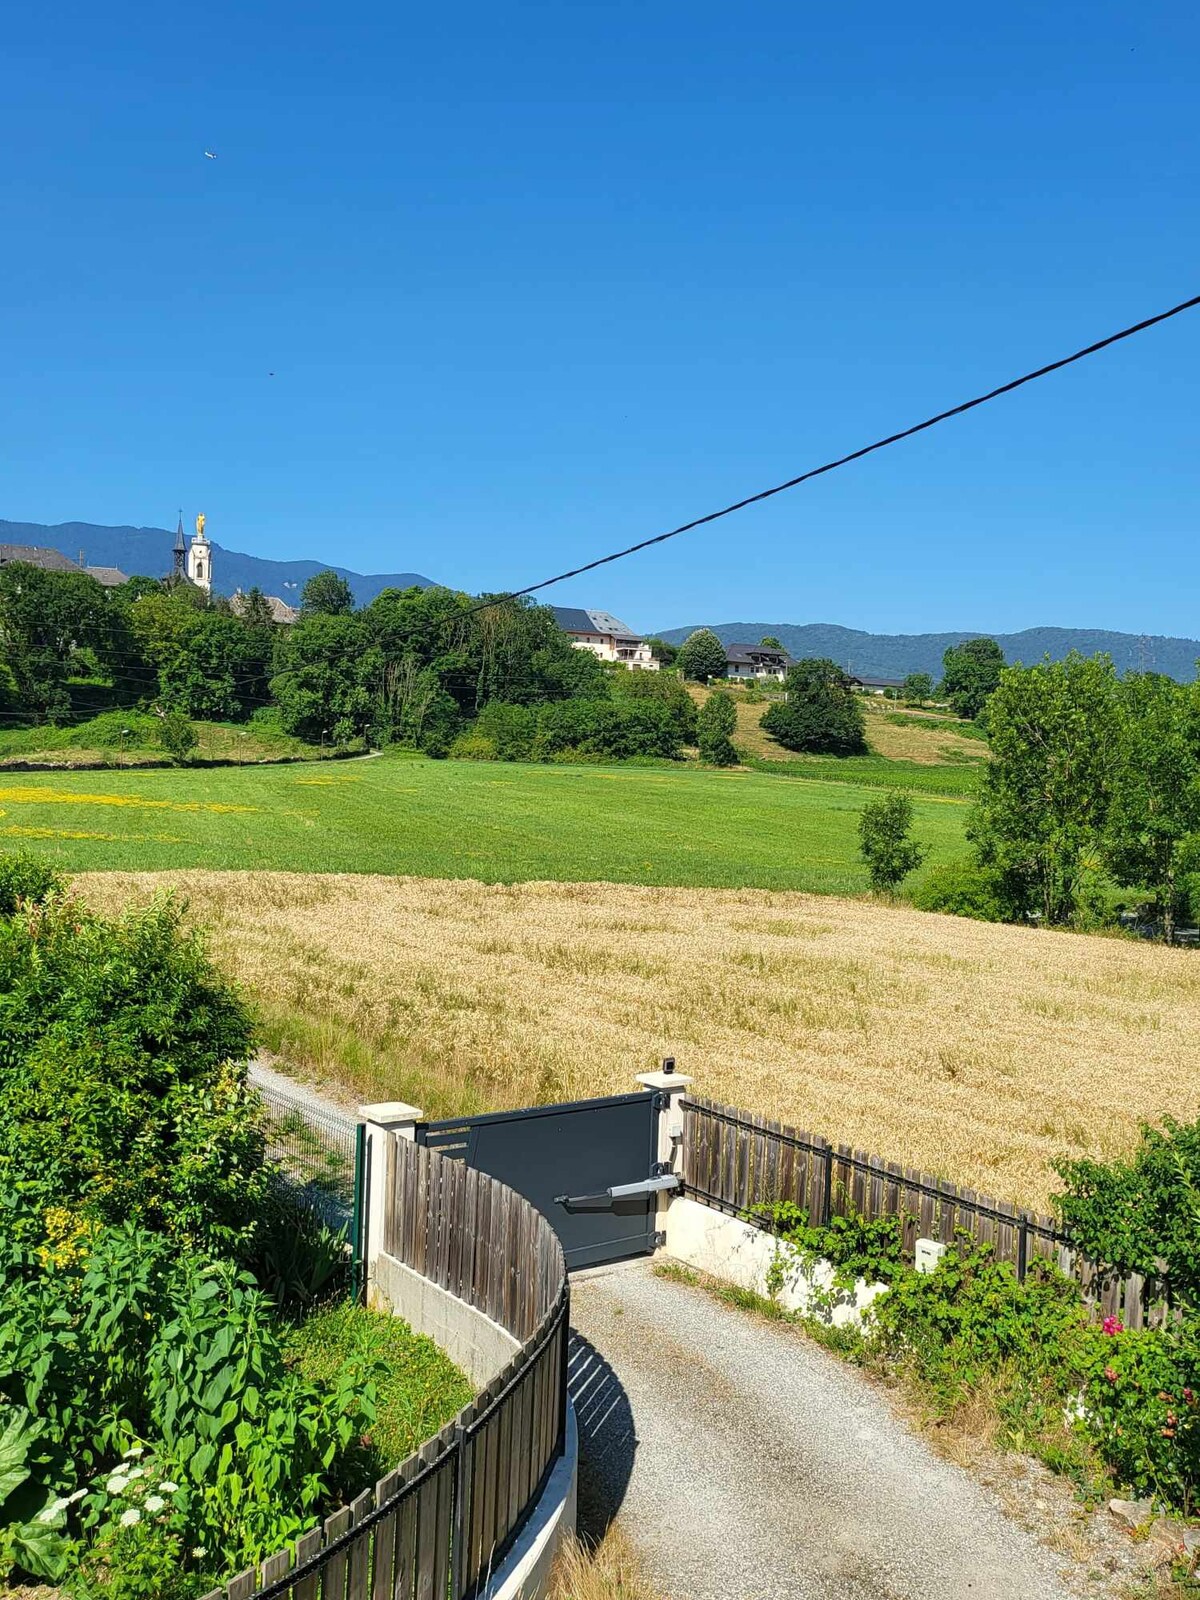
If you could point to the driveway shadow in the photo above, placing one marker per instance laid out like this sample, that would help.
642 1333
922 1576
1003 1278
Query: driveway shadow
607 1438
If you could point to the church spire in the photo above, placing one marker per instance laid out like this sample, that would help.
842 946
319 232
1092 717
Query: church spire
180 548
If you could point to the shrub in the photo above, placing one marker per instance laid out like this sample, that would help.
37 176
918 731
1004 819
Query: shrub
510 730
963 889
177 736
717 720
122 1072
821 714
472 746
606 730
117 730
1142 1214
883 831
664 687
25 880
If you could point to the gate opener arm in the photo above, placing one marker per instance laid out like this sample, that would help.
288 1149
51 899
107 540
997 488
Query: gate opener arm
623 1191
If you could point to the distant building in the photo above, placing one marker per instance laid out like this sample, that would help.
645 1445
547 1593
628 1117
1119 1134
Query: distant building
36 555
874 685
199 558
605 636
281 612
756 661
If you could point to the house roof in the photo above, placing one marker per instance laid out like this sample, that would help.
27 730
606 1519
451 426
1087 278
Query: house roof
571 619
280 610
755 652
36 555
110 577
875 683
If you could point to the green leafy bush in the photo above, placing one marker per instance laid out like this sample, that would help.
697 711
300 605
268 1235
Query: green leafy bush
606 729
1142 1214
963 889
26 880
118 730
717 720
884 826
177 736
667 688
122 1073
821 714
855 1246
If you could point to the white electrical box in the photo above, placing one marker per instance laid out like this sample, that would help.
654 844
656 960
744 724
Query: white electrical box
929 1253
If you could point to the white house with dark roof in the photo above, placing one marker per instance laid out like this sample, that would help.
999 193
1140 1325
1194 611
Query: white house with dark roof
605 636
757 662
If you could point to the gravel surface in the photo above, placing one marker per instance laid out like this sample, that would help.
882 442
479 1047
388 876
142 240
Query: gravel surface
748 1464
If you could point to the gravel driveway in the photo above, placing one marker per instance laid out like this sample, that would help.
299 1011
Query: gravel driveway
749 1464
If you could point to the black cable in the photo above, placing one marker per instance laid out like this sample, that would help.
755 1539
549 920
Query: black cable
855 455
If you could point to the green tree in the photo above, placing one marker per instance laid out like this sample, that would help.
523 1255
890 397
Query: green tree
1153 833
702 656
255 610
326 594
821 714
970 671
327 678
663 651
717 720
770 642
1044 805
918 687
45 619
884 829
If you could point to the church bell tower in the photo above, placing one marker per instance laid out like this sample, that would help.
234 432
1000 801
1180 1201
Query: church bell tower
199 558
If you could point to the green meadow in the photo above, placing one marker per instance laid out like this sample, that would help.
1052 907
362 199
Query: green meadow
497 822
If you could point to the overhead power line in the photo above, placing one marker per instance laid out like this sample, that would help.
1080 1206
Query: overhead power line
844 461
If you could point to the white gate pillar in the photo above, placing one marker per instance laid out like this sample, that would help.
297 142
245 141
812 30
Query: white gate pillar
384 1118
672 1086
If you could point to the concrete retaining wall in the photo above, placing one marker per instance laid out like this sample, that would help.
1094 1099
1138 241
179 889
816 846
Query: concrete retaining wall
743 1255
481 1347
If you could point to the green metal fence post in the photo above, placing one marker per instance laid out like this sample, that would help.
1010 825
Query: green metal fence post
359 1214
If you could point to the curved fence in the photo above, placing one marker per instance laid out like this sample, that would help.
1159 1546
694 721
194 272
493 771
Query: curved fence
440 1523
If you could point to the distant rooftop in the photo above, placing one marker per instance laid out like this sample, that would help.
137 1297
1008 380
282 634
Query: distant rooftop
110 577
755 652
571 619
36 555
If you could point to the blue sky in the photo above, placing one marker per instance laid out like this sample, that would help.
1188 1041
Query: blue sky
535 281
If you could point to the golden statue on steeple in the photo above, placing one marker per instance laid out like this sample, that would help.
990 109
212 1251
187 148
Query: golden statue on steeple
200 526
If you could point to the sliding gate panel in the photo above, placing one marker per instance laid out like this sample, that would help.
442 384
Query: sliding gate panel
562 1158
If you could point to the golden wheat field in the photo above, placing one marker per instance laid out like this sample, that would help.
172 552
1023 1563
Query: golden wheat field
975 1051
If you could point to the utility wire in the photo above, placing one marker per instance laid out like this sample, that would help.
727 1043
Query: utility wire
843 461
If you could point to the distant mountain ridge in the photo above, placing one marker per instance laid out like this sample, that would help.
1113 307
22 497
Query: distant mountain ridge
894 655
146 552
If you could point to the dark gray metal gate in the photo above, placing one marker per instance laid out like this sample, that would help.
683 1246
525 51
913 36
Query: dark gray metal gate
564 1159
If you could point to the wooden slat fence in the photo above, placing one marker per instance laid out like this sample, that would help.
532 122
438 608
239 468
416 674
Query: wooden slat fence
740 1162
437 1526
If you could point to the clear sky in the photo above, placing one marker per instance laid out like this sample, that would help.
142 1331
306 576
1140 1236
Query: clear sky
484 290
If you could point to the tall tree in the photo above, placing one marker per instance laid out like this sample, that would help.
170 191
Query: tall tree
884 829
1153 835
820 714
663 651
770 642
326 679
970 672
45 618
1044 805
702 656
326 594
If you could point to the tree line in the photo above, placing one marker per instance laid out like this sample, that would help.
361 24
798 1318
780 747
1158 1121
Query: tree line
416 666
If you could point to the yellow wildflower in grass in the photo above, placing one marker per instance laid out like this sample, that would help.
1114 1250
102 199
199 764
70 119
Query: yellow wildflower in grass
67 1235
16 831
24 794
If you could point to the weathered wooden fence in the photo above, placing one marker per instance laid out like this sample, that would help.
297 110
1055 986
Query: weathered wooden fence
740 1162
437 1526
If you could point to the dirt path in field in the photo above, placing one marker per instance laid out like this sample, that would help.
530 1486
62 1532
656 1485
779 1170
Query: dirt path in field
748 1464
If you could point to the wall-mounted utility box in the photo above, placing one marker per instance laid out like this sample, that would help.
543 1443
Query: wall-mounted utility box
929 1253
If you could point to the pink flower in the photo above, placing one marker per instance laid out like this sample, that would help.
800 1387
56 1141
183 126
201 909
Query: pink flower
1113 1325
1110 1374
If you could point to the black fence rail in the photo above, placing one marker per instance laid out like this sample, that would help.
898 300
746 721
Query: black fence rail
742 1163
440 1524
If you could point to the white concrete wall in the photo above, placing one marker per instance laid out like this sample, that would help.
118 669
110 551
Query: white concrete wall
738 1253
481 1347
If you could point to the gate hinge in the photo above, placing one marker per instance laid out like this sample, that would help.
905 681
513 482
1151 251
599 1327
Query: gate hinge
660 1238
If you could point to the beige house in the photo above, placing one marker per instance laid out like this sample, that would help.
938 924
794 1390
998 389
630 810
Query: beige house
759 662
605 636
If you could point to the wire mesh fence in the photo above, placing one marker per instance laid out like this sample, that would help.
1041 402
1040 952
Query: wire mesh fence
319 1155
